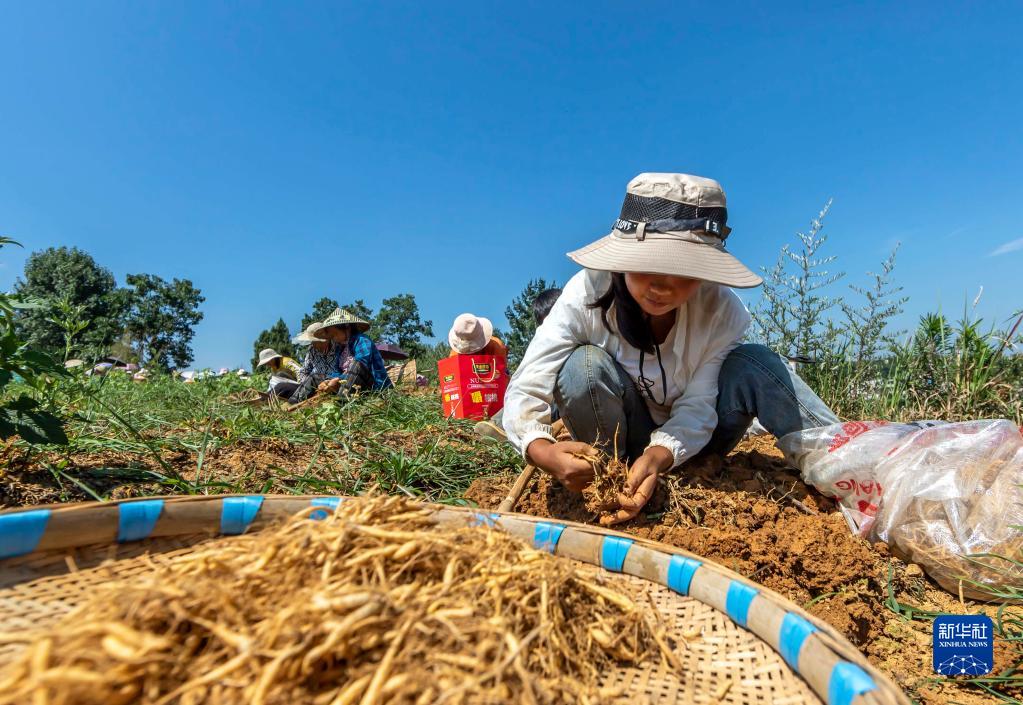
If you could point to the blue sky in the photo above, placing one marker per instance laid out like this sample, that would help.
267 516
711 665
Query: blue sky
278 152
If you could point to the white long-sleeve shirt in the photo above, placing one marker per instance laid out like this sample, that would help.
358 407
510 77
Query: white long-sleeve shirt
707 328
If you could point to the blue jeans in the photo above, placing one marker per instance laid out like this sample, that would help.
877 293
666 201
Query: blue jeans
601 405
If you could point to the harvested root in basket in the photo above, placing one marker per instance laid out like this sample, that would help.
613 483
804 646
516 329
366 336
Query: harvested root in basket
372 605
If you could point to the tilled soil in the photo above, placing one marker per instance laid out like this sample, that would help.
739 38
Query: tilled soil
250 465
51 478
755 516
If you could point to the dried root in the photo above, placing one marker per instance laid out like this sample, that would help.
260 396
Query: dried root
970 546
609 477
372 605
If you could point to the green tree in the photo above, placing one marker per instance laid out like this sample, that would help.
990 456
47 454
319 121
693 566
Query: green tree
276 337
321 309
521 324
86 288
399 322
161 318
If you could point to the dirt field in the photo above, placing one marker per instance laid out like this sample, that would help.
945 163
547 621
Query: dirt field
756 517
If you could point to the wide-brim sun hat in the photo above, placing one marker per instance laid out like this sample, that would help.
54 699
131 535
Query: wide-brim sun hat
673 224
266 356
344 317
470 334
309 335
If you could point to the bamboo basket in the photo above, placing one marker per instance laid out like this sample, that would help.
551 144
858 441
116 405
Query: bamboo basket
756 646
403 374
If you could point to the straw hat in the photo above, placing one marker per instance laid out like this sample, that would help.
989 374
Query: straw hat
470 334
342 316
309 336
266 355
670 224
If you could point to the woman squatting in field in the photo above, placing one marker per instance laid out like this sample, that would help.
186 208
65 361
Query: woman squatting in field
358 365
642 352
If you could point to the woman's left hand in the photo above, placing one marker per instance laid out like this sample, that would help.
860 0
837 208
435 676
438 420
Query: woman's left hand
642 482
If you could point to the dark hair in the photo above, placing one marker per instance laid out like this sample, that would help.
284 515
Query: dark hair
543 303
632 323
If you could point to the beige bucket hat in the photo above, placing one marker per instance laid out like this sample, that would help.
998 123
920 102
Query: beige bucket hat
670 224
470 333
342 316
309 335
266 355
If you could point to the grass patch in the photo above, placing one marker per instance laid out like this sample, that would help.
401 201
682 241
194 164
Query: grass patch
165 436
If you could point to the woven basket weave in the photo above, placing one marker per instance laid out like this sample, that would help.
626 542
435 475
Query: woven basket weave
756 647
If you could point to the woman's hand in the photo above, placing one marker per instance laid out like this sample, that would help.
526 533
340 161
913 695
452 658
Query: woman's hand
558 459
642 482
329 385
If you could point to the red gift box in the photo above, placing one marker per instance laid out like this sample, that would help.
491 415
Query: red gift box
472 386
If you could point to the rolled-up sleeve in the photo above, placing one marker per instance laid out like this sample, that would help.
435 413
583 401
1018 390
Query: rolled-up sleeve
527 402
694 414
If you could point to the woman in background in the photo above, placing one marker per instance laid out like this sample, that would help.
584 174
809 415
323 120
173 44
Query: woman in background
358 365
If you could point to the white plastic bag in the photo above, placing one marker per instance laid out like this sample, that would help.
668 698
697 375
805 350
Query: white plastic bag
936 492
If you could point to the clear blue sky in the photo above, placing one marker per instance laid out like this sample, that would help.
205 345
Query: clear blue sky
278 152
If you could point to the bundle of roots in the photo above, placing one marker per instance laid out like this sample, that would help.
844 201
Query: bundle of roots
609 477
373 604
970 545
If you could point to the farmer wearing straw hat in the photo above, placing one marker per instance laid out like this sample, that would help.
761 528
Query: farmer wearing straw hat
357 362
283 372
319 362
641 353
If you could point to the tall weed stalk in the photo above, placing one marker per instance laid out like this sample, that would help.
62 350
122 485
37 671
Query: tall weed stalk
851 356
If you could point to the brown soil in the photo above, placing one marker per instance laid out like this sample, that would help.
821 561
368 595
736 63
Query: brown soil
246 465
755 516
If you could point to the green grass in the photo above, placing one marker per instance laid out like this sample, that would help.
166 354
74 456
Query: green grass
165 436
948 371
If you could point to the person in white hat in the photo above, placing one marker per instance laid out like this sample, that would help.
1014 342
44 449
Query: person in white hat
283 372
474 335
642 351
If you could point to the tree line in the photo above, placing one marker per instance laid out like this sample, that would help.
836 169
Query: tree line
77 310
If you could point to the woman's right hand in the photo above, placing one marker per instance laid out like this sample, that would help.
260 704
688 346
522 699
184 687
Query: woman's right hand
329 386
559 460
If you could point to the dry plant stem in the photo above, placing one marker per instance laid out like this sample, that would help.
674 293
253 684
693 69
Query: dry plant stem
372 605
609 477
508 503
